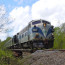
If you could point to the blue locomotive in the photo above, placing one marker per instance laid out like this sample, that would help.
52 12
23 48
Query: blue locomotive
38 34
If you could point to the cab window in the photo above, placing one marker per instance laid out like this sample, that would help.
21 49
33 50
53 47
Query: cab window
36 22
45 22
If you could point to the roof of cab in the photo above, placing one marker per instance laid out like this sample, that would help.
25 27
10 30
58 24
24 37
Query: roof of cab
40 20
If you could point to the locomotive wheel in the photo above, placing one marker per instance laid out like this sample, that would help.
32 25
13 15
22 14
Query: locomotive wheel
32 48
51 44
22 45
32 45
46 46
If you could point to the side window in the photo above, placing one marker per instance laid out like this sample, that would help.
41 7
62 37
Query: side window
22 35
19 36
25 34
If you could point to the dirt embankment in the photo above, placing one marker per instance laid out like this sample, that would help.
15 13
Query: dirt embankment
41 57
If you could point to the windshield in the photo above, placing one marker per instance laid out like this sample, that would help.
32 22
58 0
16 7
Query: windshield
45 22
36 22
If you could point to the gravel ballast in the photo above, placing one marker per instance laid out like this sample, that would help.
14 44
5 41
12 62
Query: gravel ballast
41 57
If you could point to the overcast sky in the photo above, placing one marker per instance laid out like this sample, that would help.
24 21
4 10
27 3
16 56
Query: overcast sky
23 11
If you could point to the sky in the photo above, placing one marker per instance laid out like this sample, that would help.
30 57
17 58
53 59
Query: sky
21 12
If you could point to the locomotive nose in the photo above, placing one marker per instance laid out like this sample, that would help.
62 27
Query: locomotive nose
37 35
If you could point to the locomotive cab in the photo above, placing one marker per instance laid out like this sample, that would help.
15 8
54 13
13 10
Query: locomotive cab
42 31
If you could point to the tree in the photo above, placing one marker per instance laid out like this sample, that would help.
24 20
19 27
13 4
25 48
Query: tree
3 19
5 22
0 40
63 27
59 34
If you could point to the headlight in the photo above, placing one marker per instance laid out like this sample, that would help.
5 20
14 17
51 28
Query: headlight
37 34
52 34
44 24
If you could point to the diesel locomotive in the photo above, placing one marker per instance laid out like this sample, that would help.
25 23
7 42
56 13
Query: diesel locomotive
37 34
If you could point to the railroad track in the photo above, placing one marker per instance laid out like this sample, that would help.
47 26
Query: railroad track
54 49
21 52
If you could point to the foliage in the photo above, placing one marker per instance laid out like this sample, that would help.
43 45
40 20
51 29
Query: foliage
59 34
5 21
6 56
4 53
3 42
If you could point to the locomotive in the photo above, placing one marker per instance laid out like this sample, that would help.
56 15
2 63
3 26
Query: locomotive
37 34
